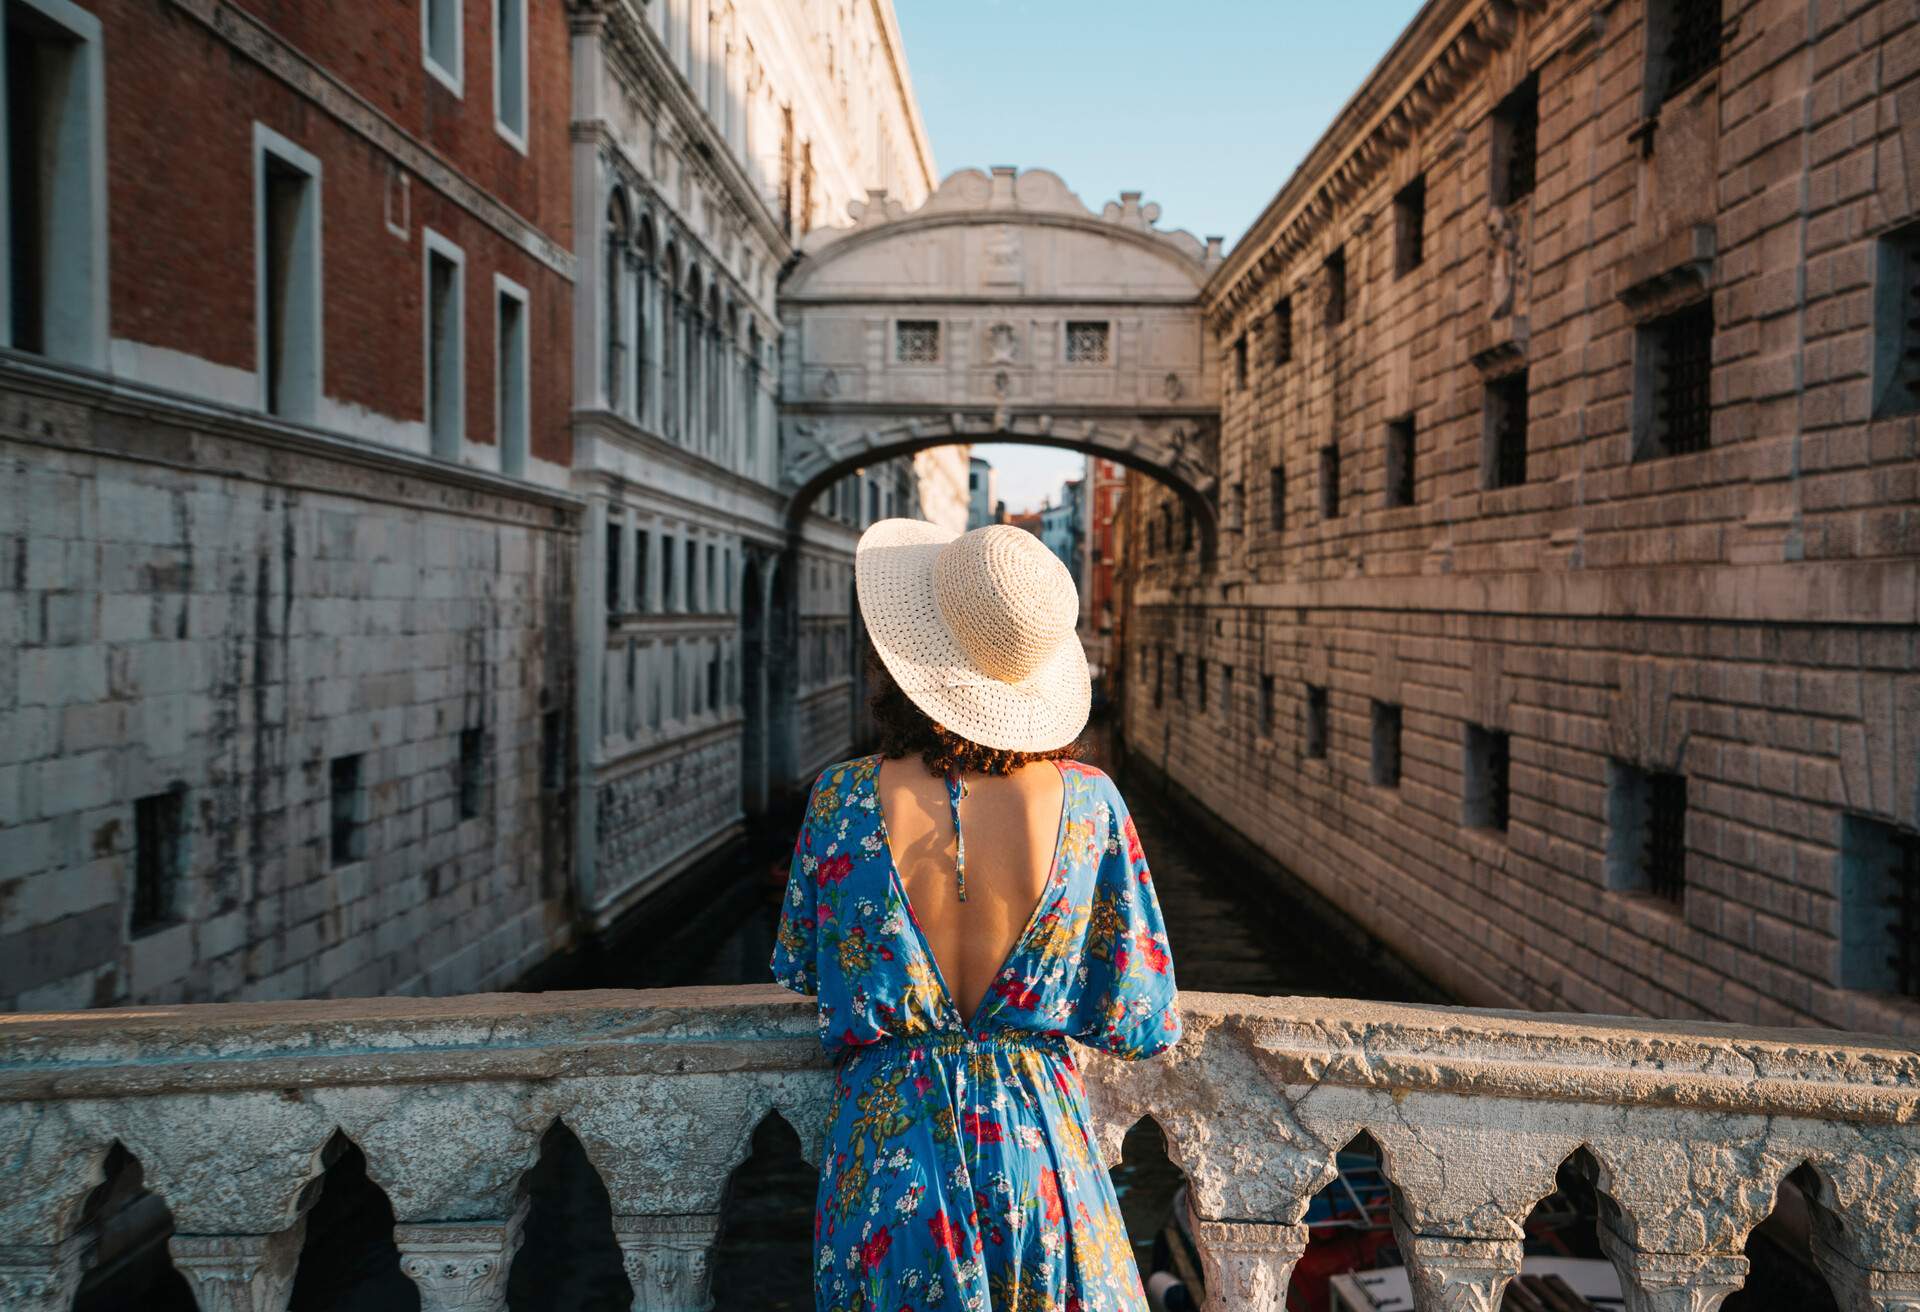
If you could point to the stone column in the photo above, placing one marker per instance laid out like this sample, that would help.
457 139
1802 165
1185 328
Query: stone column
1672 1282
667 1260
1248 1263
42 1277
1456 1273
459 1266
239 1273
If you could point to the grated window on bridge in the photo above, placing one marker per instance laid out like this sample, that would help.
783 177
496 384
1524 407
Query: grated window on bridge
1686 37
1675 369
1488 757
1879 906
1087 342
1896 322
159 852
1516 143
1386 744
1647 831
1504 424
347 808
916 341
1316 725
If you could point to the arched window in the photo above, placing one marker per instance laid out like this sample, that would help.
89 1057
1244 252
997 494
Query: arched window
642 312
613 272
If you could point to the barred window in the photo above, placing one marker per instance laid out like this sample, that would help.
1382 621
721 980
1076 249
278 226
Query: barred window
1316 726
916 341
1277 500
1266 705
1647 831
159 833
1400 468
1330 482
1516 143
1087 343
1283 330
1896 323
1505 426
1410 227
1685 34
1240 363
1386 744
1676 368
1879 906
1336 275
1488 756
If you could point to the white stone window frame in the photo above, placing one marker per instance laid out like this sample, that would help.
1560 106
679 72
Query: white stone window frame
432 244
514 136
1066 343
939 344
513 455
77 323
268 143
454 77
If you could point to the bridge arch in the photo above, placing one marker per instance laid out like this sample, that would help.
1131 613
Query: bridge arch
1002 309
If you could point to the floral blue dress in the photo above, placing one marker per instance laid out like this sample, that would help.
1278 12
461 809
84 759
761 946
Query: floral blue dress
960 1172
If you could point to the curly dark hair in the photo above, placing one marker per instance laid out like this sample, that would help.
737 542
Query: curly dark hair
906 730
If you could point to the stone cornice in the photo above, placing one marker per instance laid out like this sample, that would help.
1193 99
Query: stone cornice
1440 51
903 82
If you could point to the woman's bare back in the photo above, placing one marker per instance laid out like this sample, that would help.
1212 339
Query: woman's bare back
1012 825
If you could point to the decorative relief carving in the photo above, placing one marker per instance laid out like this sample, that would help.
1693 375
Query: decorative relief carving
1248 1263
458 1268
1504 258
1003 258
1457 1274
239 1273
667 1260
1003 344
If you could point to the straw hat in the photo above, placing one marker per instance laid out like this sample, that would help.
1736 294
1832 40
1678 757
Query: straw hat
978 629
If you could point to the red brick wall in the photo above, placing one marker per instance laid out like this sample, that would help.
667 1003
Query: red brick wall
182 103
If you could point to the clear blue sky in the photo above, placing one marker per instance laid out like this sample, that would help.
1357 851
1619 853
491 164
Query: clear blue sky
1204 107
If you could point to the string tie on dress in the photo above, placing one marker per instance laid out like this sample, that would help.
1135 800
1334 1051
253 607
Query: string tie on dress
957 789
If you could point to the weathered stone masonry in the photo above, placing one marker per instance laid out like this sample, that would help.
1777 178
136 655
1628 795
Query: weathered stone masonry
1609 616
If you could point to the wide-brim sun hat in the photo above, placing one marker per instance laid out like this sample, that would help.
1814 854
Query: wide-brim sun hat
978 629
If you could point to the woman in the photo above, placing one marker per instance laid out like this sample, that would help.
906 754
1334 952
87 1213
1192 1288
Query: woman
963 904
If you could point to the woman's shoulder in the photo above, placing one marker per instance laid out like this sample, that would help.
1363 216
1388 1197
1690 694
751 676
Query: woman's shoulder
839 782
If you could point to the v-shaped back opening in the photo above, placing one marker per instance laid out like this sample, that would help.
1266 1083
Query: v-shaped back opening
971 1016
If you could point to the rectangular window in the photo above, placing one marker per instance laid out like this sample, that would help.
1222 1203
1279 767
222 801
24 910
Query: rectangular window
727 582
666 571
690 596
159 859
1336 275
553 751
347 840
1266 705
1179 676
713 579
445 345
1226 691
1683 43
1159 676
510 419
1646 831
1516 143
916 341
287 275
54 281
1879 906
642 567
440 40
510 70
1410 227
614 535
1503 461
1330 481
1386 744
1240 363
713 679
1283 330
1400 462
473 770
1896 323
1087 343
1277 499
1316 726
1487 758
1674 372
1200 683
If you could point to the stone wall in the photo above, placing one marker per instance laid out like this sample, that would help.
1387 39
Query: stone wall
1686 1132
211 611
1740 616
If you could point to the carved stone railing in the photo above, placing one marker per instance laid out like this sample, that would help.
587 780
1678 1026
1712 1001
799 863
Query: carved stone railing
1687 1130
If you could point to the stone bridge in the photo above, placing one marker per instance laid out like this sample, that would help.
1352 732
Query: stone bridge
1001 310
232 1112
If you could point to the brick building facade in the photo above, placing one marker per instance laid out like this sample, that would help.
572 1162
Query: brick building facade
285 665
1562 628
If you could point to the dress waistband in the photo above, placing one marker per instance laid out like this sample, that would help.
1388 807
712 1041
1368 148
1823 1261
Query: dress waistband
952 1041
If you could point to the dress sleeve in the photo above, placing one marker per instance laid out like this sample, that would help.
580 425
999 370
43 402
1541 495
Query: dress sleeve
1127 1003
796 944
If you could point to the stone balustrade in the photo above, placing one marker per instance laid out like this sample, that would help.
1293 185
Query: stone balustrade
1687 1130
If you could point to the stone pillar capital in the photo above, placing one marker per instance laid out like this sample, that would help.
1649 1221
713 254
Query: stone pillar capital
1248 1263
667 1260
42 1277
459 1266
1457 1273
1673 1282
239 1273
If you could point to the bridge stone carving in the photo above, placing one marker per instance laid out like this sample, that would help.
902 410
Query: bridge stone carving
1002 309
